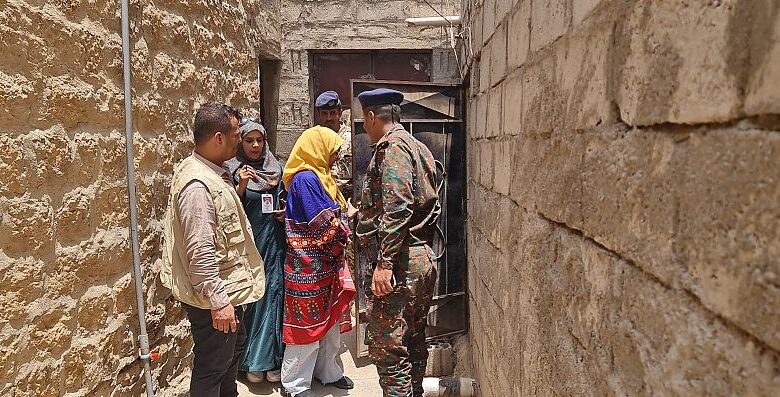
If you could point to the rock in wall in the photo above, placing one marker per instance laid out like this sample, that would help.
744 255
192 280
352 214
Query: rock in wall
69 320
349 25
623 183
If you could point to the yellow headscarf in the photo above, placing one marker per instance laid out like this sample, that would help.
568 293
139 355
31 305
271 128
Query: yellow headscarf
312 152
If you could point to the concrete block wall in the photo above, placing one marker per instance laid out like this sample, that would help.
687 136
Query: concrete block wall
350 25
68 320
624 197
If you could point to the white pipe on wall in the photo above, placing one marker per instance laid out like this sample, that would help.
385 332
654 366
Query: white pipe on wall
434 21
143 338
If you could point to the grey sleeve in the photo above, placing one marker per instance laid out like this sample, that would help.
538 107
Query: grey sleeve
198 218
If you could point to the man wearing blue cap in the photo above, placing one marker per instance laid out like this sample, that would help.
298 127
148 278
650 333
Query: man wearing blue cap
327 110
328 113
398 209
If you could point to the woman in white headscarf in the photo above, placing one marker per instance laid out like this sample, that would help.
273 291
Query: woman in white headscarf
257 174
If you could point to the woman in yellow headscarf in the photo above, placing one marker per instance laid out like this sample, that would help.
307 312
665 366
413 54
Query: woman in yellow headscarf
316 150
317 290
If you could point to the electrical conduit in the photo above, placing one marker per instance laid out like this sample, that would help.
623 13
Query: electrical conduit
143 338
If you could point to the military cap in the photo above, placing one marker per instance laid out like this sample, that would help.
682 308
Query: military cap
380 96
328 100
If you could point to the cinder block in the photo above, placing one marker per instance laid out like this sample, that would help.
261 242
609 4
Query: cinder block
474 78
472 165
471 117
512 105
486 164
549 21
502 167
726 238
498 55
627 197
579 309
762 94
582 8
489 22
476 30
502 10
484 68
518 35
685 207
544 106
480 117
494 113
583 67
675 68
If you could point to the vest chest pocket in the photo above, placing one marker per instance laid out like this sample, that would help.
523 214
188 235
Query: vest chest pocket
231 226
229 220
235 278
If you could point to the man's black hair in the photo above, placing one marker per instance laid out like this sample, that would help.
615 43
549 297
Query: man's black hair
386 113
213 117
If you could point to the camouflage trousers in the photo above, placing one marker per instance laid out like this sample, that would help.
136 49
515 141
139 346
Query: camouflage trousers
350 258
395 332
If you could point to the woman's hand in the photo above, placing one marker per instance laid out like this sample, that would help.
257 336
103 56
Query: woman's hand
351 210
244 175
280 212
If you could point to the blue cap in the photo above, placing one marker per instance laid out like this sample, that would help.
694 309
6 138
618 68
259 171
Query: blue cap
328 100
380 96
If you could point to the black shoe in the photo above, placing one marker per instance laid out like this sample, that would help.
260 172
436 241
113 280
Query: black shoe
344 383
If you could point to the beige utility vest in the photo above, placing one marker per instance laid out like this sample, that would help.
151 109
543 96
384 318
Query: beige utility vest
240 264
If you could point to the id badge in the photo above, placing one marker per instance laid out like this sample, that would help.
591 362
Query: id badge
267 203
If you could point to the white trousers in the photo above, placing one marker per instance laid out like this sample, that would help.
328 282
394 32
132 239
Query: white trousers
317 359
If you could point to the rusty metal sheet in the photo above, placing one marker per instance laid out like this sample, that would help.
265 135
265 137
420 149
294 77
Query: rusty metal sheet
334 70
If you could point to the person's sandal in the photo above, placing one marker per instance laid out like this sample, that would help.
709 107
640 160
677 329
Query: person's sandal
344 383
273 376
255 377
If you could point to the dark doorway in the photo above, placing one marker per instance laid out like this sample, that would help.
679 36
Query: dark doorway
269 71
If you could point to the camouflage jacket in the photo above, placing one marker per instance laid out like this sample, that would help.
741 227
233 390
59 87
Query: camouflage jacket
342 169
399 203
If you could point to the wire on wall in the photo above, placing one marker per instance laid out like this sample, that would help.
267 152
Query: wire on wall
452 39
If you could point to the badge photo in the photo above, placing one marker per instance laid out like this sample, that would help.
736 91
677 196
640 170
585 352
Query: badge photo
267 203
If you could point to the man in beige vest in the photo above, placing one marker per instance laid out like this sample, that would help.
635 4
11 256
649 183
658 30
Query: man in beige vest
210 261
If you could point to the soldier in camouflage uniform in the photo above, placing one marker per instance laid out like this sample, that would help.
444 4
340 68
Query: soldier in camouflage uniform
398 209
342 174
342 169
328 113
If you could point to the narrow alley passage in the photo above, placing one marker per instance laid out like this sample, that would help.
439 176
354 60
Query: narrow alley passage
361 371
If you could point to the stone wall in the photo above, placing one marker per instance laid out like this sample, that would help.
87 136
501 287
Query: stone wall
624 186
68 324
350 25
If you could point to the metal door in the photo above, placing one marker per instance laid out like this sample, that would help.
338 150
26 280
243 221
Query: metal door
434 114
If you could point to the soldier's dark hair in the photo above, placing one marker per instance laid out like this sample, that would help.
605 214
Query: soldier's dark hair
386 113
212 117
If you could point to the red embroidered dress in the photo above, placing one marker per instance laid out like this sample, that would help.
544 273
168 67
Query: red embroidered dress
317 285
